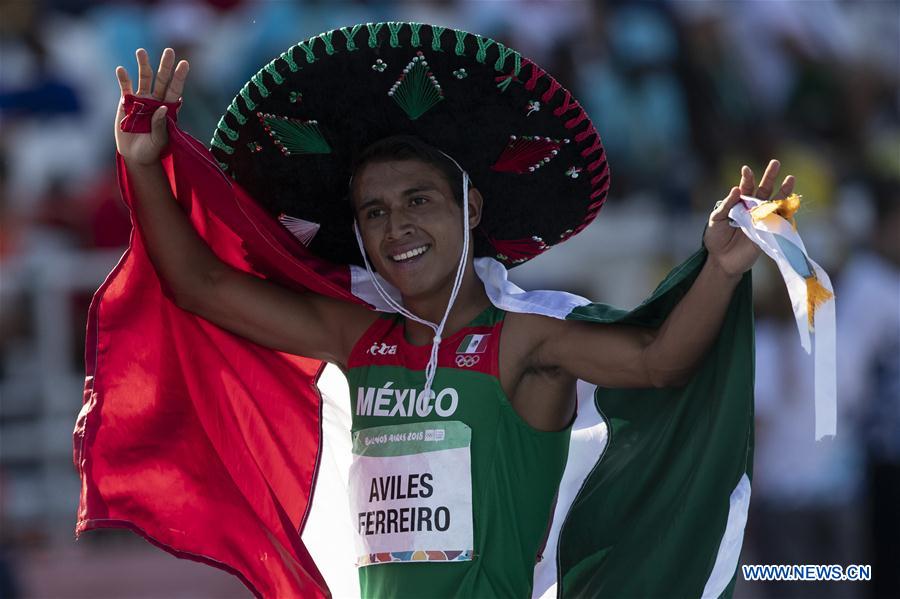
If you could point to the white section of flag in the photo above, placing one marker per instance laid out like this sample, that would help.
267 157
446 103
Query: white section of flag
474 343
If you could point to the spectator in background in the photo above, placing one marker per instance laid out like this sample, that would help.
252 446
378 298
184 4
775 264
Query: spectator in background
9 585
719 107
640 104
45 92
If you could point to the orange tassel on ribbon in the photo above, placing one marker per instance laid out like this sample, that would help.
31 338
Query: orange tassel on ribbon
816 295
785 208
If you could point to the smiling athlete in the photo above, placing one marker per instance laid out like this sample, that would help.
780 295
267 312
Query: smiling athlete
463 393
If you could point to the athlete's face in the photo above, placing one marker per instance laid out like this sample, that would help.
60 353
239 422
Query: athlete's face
411 225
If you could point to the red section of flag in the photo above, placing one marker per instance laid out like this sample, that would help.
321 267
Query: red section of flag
195 438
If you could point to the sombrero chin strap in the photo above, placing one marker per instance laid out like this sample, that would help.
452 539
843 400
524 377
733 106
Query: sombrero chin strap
431 369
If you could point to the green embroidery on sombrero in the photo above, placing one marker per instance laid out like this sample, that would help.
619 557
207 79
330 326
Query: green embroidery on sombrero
436 33
228 131
417 89
414 34
460 73
307 47
295 97
293 136
394 26
504 54
260 86
223 166
235 111
218 143
483 44
245 94
273 72
460 42
326 39
505 80
286 57
349 35
373 28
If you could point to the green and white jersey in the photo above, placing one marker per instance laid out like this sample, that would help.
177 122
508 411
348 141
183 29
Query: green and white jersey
451 493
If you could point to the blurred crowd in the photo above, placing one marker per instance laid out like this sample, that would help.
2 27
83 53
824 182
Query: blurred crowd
683 92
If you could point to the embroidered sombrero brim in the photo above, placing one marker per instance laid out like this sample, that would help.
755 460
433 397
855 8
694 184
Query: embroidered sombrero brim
292 132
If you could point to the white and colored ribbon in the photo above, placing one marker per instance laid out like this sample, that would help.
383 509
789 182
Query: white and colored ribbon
812 298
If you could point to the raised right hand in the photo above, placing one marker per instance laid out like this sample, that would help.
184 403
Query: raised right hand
144 148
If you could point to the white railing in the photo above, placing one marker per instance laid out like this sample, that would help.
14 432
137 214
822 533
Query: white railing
41 386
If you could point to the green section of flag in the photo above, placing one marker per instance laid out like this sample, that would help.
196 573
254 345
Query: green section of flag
649 520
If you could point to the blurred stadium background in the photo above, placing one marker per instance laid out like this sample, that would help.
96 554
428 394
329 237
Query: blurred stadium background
683 93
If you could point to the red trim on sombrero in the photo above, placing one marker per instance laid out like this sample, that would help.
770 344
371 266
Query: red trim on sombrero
576 120
536 73
603 175
526 248
567 105
551 91
519 249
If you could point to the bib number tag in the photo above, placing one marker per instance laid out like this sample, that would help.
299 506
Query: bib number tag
411 493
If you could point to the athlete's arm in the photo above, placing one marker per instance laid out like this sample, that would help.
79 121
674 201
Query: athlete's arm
621 356
624 356
260 310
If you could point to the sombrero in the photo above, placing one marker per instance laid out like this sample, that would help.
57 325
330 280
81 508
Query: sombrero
292 132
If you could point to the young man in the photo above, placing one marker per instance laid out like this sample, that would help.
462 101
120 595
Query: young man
510 415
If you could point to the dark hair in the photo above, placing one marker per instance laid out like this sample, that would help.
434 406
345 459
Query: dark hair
410 147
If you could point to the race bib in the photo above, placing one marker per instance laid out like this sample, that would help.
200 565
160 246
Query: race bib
411 493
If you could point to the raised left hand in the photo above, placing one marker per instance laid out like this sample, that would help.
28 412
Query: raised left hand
728 247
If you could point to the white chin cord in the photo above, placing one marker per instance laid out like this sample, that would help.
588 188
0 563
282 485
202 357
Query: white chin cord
431 368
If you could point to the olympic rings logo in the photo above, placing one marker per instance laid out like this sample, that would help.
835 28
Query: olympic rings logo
467 360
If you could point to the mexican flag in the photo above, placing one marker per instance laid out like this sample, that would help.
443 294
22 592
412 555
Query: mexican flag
222 451
473 344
